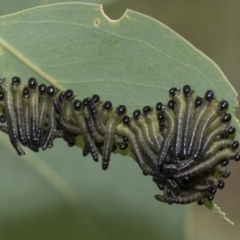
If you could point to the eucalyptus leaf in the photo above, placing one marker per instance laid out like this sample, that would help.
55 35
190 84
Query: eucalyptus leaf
132 61
12 6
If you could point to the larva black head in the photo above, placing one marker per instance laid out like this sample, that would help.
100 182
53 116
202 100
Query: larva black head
123 146
16 81
173 91
107 106
226 174
85 102
2 119
210 197
220 184
198 102
235 145
51 91
231 130
42 88
171 104
201 202
26 92
68 95
224 162
1 96
121 110
209 95
159 106
236 157
226 117
147 110
137 114
223 105
160 117
213 191
77 104
32 83
187 90
126 120
95 98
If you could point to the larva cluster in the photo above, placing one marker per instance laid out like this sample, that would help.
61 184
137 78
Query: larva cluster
184 145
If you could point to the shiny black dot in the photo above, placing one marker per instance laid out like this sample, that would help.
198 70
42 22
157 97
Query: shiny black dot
32 83
221 184
125 139
213 191
160 117
226 117
159 106
16 81
235 144
147 109
85 102
198 102
226 174
225 162
1 96
2 119
231 130
42 88
173 91
126 120
25 92
123 146
136 114
77 104
51 91
210 197
171 104
187 90
209 95
236 157
95 98
107 106
223 105
121 110
68 94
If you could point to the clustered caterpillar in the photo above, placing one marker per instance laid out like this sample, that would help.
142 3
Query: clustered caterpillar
184 145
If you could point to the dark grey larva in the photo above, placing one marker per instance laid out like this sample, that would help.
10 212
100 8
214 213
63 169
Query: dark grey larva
184 145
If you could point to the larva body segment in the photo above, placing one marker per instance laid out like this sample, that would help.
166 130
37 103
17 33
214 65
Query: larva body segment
153 128
190 98
51 129
11 117
16 89
168 114
33 104
109 134
180 113
43 110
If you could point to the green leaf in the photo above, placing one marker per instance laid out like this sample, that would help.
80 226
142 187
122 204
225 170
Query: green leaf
12 6
133 61
213 206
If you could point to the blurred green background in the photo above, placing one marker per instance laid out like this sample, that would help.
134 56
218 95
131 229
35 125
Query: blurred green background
36 203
